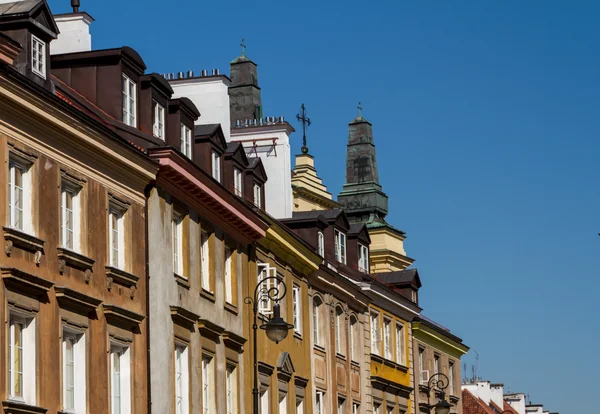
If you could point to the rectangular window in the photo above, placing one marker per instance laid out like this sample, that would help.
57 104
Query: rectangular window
339 331
389 410
423 374
451 377
400 344
363 258
216 166
264 401
177 229
21 359
70 217
208 385
319 402
231 387
436 364
316 303
204 258
341 407
376 409
282 403
299 405
355 408
116 237
321 244
182 403
340 247
375 333
74 372
354 334
186 140
237 182
120 376
228 275
257 195
18 195
265 306
386 338
129 100
158 120
38 57
297 310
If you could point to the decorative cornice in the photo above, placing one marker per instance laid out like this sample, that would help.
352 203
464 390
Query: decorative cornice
121 317
17 407
121 277
210 329
266 369
233 340
75 260
19 281
183 317
14 237
386 385
75 301
300 382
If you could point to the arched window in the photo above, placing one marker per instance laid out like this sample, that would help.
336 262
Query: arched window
354 337
340 343
316 309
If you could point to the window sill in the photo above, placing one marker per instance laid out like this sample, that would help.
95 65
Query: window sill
182 281
115 275
319 348
340 356
298 335
25 241
354 363
231 308
18 407
395 365
207 295
75 260
453 399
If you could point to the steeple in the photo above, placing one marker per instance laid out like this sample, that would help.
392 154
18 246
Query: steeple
244 92
362 196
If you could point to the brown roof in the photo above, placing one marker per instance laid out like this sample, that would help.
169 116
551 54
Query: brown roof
474 405
508 407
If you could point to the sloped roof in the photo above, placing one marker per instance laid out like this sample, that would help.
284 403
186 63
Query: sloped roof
474 405
205 129
400 277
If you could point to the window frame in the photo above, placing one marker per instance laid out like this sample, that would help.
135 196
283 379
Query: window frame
387 348
208 383
216 165
231 390
129 100
228 254
75 193
38 46
400 344
363 258
319 402
185 138
257 190
340 246
238 182
375 338
265 306
182 379
339 330
119 213
321 244
317 319
177 235
205 280
354 336
124 387
16 162
28 352
158 120
79 374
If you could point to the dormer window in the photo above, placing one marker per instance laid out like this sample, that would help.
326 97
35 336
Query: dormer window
340 247
38 57
216 166
158 120
237 182
129 100
186 141
321 244
257 195
363 258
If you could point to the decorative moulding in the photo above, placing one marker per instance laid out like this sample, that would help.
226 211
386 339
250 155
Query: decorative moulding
209 329
75 301
233 341
121 317
18 407
19 281
17 238
183 317
121 277
300 382
386 385
75 260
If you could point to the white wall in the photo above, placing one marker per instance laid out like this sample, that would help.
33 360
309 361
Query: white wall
480 389
74 34
497 394
516 401
278 189
211 97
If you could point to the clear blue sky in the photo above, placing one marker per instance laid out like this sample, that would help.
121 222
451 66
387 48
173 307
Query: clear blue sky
486 120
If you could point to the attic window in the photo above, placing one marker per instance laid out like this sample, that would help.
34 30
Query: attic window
38 57
129 96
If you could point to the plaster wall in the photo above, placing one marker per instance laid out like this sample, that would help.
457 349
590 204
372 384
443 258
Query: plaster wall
210 95
74 34
496 394
516 401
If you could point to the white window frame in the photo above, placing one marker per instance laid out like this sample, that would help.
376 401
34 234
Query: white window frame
208 385
451 377
400 344
363 258
76 363
297 308
355 408
177 242
129 101
69 189
374 333
182 380
283 403
264 270
27 371
228 274
185 137
421 370
120 393
316 319
238 185
376 408
38 56
158 123
24 222
339 330
354 337
387 346
216 165
340 246
341 405
264 400
436 364
231 389
389 410
299 404
319 402
116 236
321 244
257 195
205 260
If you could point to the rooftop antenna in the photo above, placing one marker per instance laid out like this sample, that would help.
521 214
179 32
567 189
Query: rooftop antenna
75 4
305 124
476 367
465 371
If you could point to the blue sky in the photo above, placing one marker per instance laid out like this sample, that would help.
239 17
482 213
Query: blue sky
485 117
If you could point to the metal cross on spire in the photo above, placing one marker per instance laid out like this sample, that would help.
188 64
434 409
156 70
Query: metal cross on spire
243 45
359 107
305 124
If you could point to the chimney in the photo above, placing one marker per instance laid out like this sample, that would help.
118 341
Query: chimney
74 31
497 394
